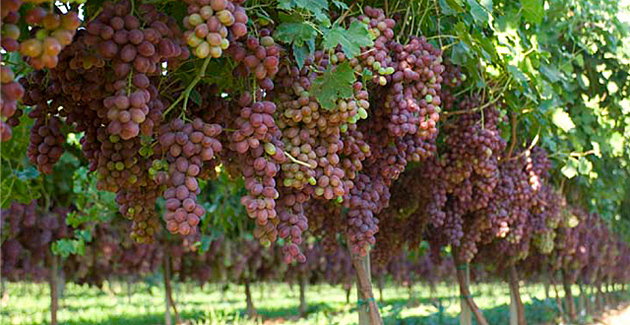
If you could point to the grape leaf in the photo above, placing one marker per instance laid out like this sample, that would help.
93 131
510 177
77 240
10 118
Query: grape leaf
570 169
300 53
476 10
562 120
585 166
450 7
339 4
301 35
317 7
533 10
487 4
351 39
295 32
333 84
551 73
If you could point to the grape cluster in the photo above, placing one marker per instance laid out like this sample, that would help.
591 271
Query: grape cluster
46 143
10 93
212 24
324 148
138 204
135 47
105 85
256 140
26 244
260 57
186 147
9 12
377 60
293 223
325 221
52 33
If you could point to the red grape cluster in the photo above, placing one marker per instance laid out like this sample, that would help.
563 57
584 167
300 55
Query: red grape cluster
31 232
52 33
186 147
46 143
292 223
212 24
256 140
260 57
10 93
136 48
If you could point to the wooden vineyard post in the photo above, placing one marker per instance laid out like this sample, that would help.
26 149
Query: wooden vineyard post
54 302
465 317
380 283
170 303
128 290
568 296
251 310
558 301
582 300
303 307
368 309
348 292
517 310
547 288
468 305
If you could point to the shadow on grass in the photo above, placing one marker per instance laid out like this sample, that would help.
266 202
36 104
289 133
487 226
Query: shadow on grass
536 312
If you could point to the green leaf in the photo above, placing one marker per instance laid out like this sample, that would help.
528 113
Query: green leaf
487 4
585 166
616 142
562 120
551 73
27 173
452 6
596 149
460 53
340 5
351 39
295 32
317 7
300 53
533 10
517 74
476 10
333 84
570 168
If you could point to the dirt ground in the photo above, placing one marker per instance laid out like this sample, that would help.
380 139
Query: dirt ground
620 316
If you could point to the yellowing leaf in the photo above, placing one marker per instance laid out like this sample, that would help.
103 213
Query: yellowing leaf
570 169
616 142
562 120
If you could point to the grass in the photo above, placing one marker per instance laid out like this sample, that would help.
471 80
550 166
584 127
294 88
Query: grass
28 304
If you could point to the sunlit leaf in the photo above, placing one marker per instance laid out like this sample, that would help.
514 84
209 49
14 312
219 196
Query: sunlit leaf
570 168
562 120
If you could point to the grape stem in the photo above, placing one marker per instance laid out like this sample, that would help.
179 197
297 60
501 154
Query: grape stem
513 144
529 149
186 94
298 161
482 107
